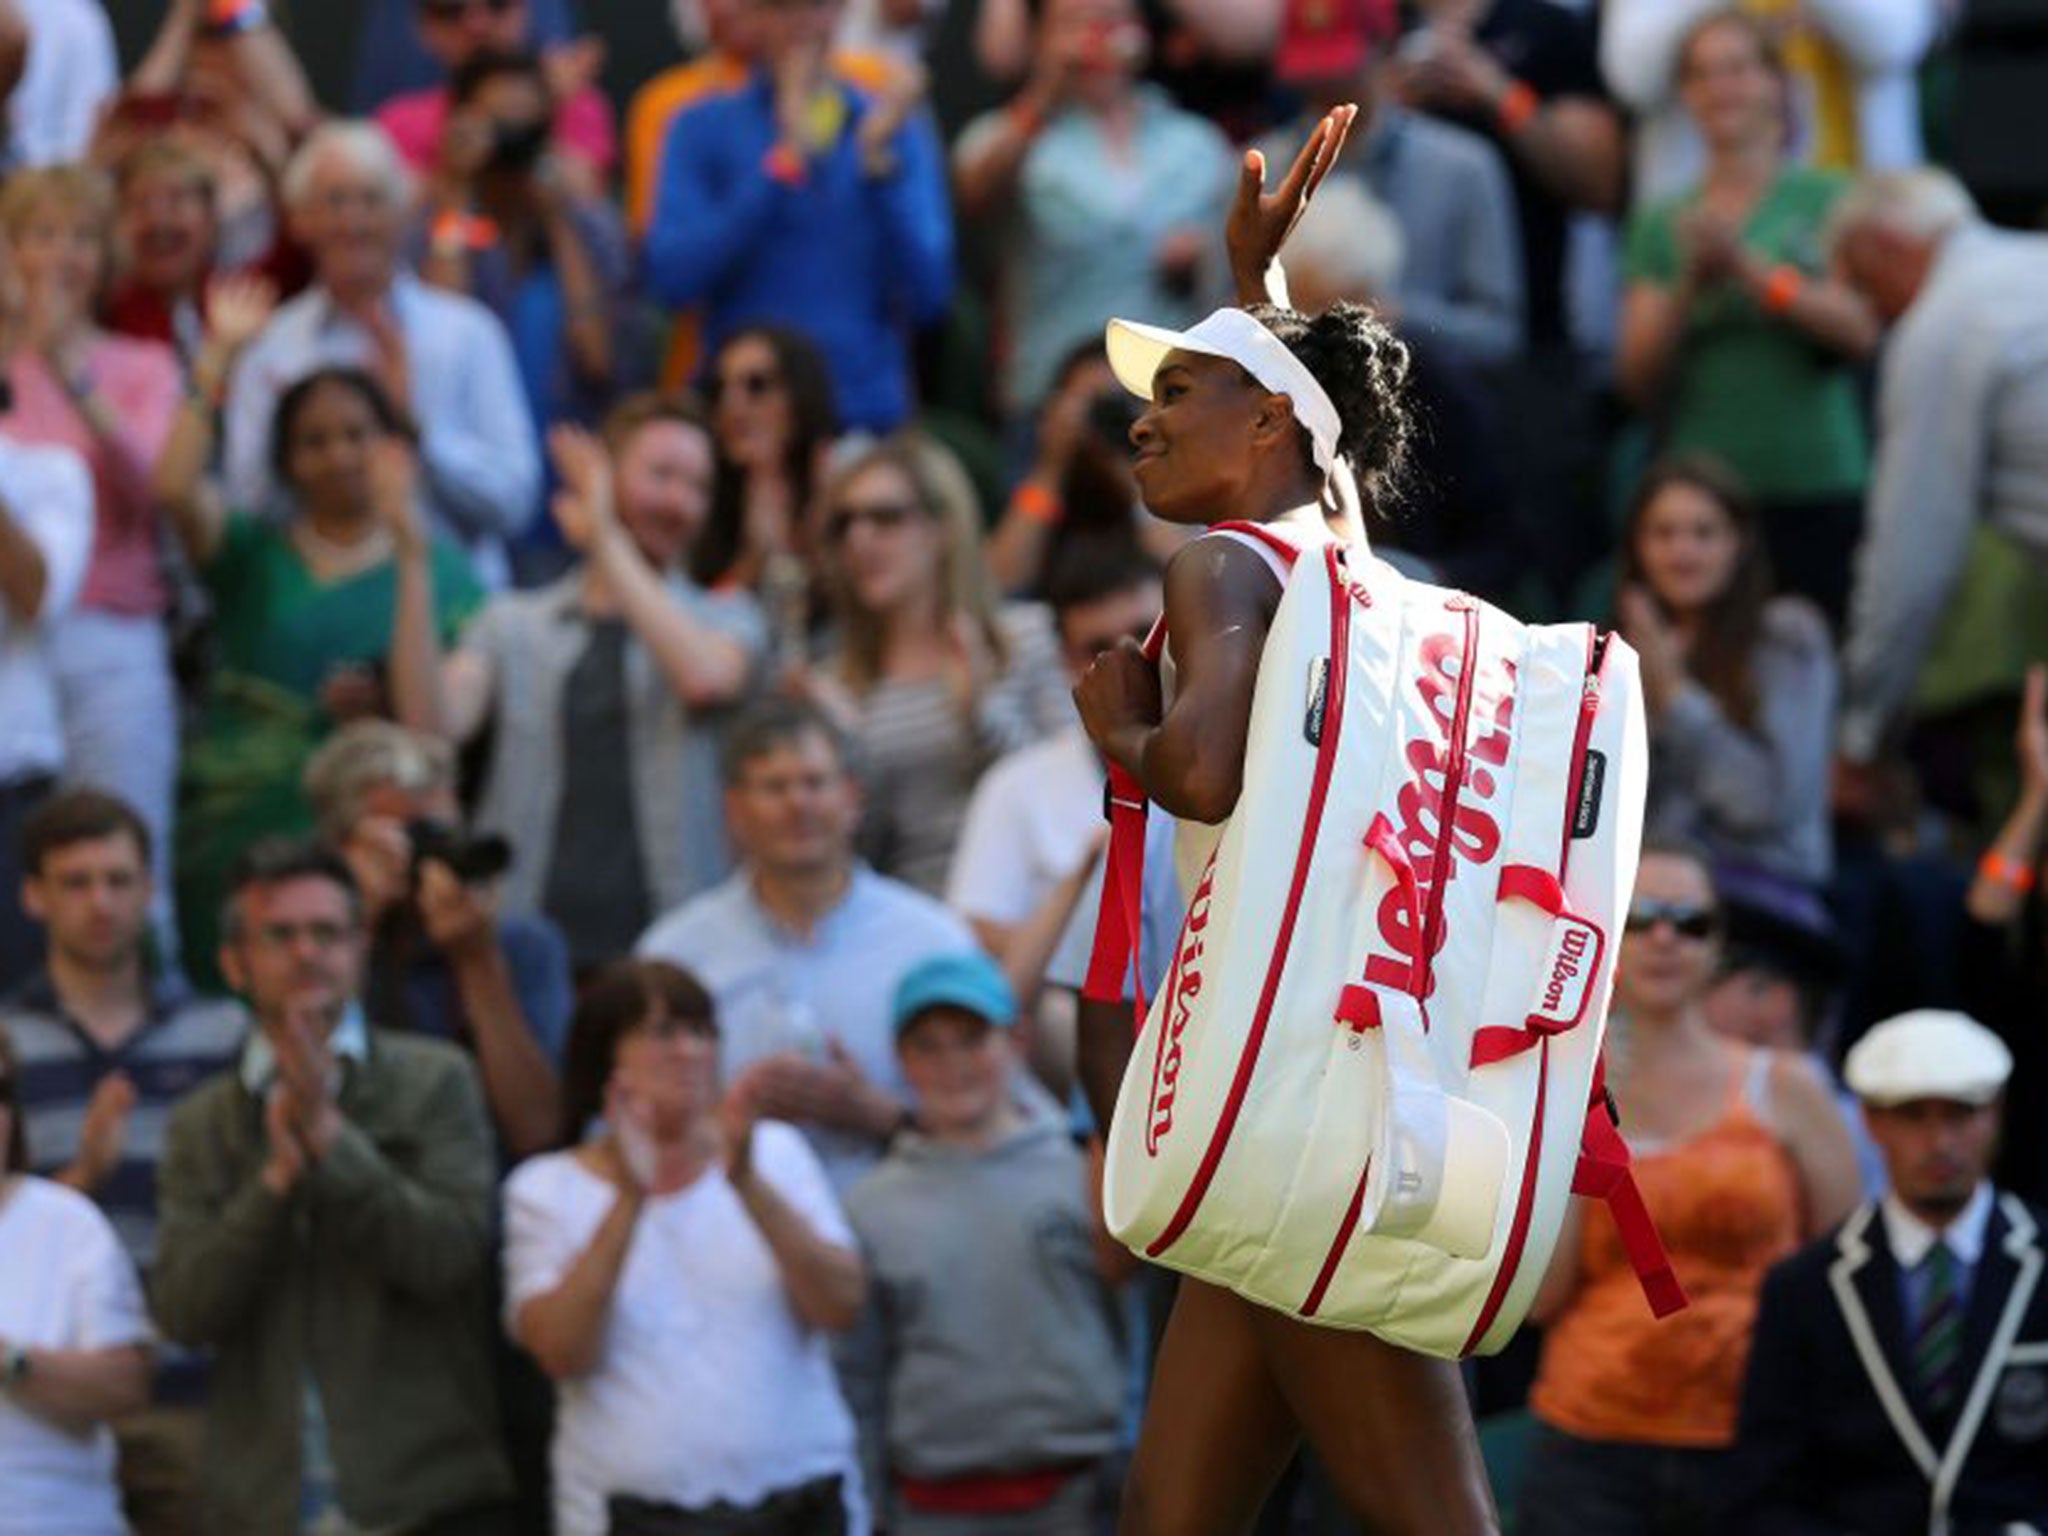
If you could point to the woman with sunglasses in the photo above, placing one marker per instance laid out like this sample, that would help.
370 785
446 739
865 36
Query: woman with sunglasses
1739 686
930 675
74 1344
773 415
1742 1156
675 1269
1270 416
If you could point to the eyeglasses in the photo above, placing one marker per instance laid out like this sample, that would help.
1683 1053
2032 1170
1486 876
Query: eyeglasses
886 516
285 935
1687 921
457 10
755 384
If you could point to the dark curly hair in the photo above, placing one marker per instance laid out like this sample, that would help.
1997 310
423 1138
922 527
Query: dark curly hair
1363 367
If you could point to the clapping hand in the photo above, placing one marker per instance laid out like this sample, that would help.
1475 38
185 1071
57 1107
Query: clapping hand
1658 648
2030 743
1260 222
103 1134
583 508
1712 244
237 309
833 1092
394 494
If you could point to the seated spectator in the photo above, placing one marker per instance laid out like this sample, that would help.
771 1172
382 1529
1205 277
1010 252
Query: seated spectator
1080 490
2003 955
104 1045
45 546
1739 686
932 677
74 1344
989 1375
1734 337
1852 98
72 69
1740 1154
1962 431
1030 843
721 45
775 423
801 201
455 32
1880 1347
442 359
1111 193
1461 284
803 947
605 692
110 400
505 225
441 961
326 1217
340 612
675 1269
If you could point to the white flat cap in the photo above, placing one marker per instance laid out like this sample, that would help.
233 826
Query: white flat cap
1929 1053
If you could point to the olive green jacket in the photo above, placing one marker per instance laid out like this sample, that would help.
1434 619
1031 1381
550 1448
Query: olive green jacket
373 1275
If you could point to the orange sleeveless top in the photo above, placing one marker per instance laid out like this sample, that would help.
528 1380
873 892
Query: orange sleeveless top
1727 1202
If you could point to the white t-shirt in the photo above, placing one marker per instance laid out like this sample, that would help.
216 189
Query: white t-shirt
1028 826
709 1387
47 491
65 1283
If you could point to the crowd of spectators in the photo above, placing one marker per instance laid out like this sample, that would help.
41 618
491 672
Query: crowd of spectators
547 855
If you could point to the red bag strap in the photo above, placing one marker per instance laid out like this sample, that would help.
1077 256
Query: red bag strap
1119 916
1604 1172
1287 549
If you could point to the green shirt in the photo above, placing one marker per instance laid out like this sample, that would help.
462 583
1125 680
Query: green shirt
1778 408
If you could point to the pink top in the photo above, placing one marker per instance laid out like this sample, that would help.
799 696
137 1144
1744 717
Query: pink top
583 123
141 385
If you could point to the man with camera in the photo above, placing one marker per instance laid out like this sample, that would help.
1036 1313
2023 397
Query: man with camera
441 961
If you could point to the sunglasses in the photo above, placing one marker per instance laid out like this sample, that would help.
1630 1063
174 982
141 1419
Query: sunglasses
884 516
1686 920
755 384
456 10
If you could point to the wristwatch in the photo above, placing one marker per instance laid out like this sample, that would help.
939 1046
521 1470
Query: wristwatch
14 1366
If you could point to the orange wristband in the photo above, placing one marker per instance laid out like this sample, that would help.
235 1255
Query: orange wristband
1781 289
2010 873
454 232
1518 104
1034 503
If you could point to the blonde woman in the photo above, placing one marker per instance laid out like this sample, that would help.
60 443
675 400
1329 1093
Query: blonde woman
931 676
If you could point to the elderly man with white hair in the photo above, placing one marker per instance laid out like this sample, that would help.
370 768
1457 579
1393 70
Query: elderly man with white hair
1962 420
444 359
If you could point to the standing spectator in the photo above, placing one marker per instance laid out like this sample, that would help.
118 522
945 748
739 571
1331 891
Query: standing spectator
442 963
505 224
1853 101
1734 337
1461 284
1739 686
676 1273
391 58
326 1231
104 1045
932 677
1880 1349
800 200
74 1345
1962 423
991 1363
340 612
72 70
455 32
1740 1154
608 690
45 546
1114 193
803 947
772 413
110 400
442 359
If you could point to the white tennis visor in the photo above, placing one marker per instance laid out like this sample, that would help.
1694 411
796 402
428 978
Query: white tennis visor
1136 351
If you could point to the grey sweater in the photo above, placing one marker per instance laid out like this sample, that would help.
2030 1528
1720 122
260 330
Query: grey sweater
990 1344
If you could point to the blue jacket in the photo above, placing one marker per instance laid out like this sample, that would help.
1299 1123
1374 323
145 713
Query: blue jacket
851 260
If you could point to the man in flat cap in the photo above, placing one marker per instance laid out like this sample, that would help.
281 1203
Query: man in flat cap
1899 1377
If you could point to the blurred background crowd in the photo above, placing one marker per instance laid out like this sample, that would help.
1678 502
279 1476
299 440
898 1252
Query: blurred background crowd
546 854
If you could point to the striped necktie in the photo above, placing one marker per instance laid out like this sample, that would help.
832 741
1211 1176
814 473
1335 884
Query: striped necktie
1938 1342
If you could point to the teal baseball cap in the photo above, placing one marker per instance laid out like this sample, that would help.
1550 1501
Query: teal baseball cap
969 981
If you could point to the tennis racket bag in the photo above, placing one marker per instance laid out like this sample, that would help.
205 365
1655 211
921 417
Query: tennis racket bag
1372 1078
